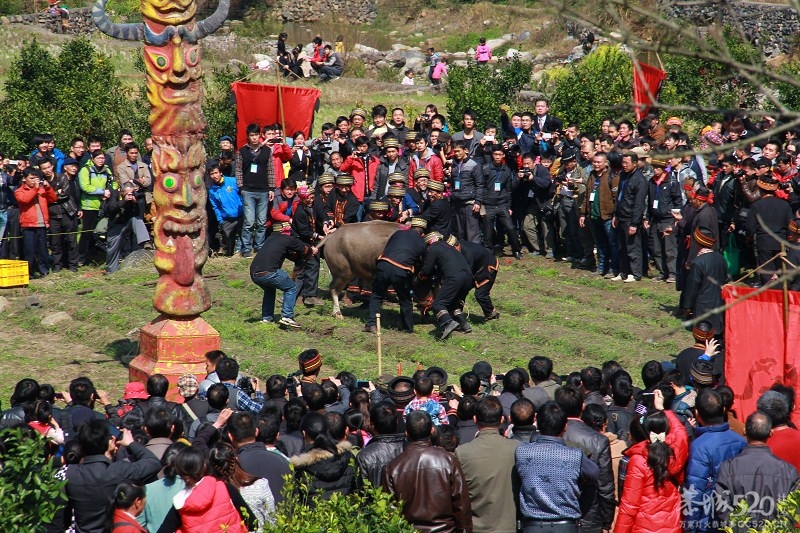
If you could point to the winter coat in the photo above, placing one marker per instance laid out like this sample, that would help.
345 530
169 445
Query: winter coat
93 184
28 198
125 523
643 508
322 473
431 162
363 182
225 199
712 446
380 451
208 507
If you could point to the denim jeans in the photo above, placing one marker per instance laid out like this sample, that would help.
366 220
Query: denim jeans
3 221
606 241
270 282
255 206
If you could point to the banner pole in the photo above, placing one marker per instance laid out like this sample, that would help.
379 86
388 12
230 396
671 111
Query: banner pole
280 102
380 354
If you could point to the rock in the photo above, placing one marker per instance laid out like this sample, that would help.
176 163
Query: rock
471 52
508 36
261 57
362 49
615 35
397 55
33 302
496 43
460 63
4 303
382 64
419 34
398 46
511 52
415 63
524 36
487 22
137 258
459 55
4 20
56 318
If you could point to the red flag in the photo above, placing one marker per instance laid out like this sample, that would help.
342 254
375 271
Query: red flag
759 352
259 104
647 81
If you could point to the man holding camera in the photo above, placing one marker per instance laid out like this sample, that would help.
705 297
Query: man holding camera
33 196
64 216
467 190
124 212
499 181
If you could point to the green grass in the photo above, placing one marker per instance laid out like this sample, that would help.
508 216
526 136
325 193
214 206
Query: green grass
546 308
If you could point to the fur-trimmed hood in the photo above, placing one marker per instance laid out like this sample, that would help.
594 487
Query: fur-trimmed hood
315 455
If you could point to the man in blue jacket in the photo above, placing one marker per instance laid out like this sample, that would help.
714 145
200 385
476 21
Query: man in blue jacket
224 197
714 444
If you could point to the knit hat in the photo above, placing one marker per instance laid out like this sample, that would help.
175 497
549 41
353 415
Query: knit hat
360 112
433 237
437 186
378 205
310 361
69 161
767 183
304 192
396 177
399 192
674 121
390 142
135 391
452 240
326 178
188 385
702 373
401 397
422 173
704 237
419 222
344 179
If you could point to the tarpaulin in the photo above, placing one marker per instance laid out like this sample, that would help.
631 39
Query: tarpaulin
759 350
647 81
259 104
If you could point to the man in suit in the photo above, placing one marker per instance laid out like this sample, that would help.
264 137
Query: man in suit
544 125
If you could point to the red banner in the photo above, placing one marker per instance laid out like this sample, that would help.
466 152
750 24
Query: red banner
759 350
259 104
647 81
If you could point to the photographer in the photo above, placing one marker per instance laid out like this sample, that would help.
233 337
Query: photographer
33 196
571 184
124 213
243 391
322 147
64 216
499 181
539 217
10 179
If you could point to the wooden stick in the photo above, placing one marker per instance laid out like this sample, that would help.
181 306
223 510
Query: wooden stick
380 352
280 103
785 297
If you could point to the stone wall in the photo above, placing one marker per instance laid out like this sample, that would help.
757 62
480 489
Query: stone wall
772 27
361 11
80 21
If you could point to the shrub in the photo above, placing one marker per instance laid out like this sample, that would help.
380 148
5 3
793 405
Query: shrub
76 93
30 494
585 91
369 510
786 520
219 107
484 88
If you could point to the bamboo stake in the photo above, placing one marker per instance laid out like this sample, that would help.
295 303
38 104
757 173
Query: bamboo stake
380 351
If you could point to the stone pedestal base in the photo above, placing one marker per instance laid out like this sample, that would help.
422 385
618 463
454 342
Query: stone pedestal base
172 347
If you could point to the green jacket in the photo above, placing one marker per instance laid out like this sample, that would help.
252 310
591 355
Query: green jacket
93 185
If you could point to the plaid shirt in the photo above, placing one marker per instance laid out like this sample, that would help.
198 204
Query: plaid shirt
430 406
245 402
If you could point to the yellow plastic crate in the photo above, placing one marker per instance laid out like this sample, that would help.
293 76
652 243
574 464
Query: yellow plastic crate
13 273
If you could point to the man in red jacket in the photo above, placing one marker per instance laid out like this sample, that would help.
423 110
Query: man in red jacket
363 167
33 196
281 153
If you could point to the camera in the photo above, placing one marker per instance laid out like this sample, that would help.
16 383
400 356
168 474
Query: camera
245 383
438 147
526 173
325 146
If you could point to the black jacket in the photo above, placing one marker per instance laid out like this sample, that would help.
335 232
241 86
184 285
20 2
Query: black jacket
597 448
380 451
90 483
662 198
498 183
321 473
68 196
466 181
277 246
157 402
776 215
482 262
438 216
703 291
726 197
444 261
632 198
305 225
405 250
257 461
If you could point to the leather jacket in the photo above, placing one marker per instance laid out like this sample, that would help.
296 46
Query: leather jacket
380 451
431 484
596 447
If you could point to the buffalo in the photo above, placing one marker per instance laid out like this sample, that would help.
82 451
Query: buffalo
352 252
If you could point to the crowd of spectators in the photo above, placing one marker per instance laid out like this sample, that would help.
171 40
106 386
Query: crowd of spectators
527 450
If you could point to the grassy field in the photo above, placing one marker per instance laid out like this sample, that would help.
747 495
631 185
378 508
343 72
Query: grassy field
568 315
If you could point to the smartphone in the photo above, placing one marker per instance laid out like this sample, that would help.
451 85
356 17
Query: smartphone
362 384
547 136
489 138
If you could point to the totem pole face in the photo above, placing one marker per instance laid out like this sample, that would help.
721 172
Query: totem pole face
169 12
180 227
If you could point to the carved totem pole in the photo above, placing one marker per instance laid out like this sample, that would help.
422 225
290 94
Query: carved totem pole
176 341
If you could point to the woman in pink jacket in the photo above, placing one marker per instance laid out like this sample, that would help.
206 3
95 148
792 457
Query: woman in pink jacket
483 53
651 497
